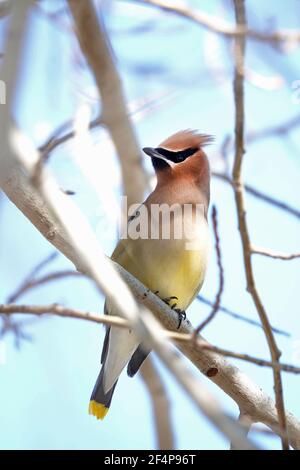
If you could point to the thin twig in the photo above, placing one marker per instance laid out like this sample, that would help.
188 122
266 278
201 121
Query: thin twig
26 284
61 135
272 200
65 312
241 214
217 302
30 284
97 50
55 141
274 254
260 195
238 316
281 129
160 404
15 327
220 26
33 283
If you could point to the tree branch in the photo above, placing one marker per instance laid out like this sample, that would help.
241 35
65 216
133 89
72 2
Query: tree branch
241 214
229 378
240 317
183 337
220 26
32 283
255 250
260 195
217 302
97 50
20 152
160 404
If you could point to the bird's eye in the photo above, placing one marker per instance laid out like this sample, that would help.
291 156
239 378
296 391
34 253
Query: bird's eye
176 157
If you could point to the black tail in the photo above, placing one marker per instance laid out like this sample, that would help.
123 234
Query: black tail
137 360
100 401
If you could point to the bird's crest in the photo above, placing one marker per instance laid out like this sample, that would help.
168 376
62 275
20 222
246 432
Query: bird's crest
186 139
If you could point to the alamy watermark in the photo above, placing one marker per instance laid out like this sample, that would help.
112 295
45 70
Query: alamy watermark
162 222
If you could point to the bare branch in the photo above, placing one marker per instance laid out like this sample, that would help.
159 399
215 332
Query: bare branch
20 152
238 316
220 26
248 396
60 311
241 213
281 129
33 283
134 109
260 195
26 284
217 302
186 336
56 140
160 404
274 254
97 50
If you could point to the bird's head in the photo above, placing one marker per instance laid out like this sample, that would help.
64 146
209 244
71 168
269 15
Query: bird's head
181 155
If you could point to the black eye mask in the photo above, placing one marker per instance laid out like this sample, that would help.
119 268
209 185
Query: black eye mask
176 157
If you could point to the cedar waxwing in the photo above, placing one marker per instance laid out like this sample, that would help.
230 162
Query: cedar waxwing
168 266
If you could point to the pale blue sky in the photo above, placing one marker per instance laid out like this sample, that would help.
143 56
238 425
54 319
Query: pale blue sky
45 386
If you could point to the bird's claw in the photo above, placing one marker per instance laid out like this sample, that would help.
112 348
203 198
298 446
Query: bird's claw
181 316
181 313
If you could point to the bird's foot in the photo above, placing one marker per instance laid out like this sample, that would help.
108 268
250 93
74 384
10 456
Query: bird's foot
181 315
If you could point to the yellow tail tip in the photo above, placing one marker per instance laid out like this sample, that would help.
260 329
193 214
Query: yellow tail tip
97 409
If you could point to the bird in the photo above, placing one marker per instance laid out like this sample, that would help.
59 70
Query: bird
171 267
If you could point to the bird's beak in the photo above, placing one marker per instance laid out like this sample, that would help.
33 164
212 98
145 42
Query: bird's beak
152 152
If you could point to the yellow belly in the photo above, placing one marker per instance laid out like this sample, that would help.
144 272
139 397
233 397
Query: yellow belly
167 266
